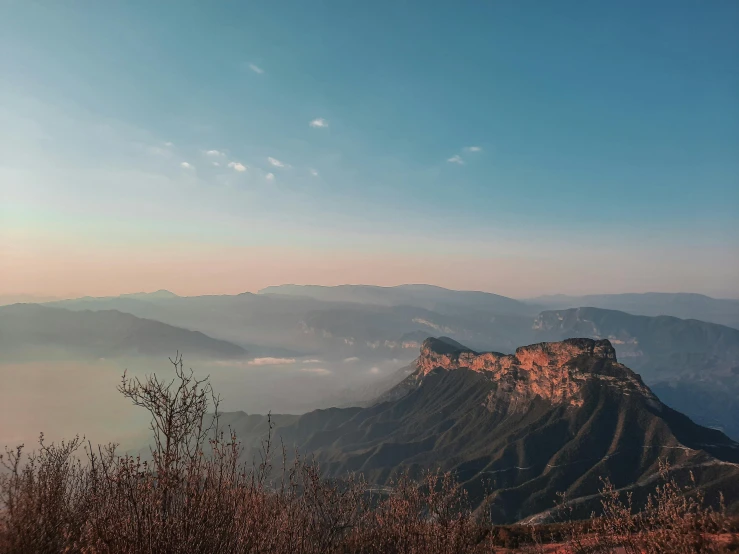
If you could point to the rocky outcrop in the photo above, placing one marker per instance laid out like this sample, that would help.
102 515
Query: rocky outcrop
556 372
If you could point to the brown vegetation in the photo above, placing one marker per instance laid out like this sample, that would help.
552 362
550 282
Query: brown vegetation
193 494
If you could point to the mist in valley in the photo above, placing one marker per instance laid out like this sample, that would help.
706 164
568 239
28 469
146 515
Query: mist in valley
64 397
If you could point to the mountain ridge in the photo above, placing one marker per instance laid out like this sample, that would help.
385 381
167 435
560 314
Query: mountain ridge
103 333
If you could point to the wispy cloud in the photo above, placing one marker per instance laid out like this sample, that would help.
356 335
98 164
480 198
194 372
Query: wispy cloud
169 144
186 165
352 359
319 123
217 164
237 166
313 172
375 371
271 361
255 68
270 176
214 153
457 159
316 370
159 151
313 361
277 163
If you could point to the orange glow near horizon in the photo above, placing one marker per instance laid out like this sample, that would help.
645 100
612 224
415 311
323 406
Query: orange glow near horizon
67 269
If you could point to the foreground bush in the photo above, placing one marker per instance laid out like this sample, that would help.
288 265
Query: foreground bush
193 495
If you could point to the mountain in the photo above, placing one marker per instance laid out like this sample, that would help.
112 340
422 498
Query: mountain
683 305
159 294
266 323
517 429
28 330
6 299
692 365
428 297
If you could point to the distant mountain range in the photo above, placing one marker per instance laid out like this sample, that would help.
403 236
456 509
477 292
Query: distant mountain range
553 417
690 364
427 297
300 324
682 305
28 329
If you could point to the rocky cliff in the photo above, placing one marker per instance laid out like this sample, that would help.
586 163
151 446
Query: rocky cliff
555 372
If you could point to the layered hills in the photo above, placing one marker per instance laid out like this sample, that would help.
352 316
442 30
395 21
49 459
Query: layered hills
28 330
724 311
691 364
515 429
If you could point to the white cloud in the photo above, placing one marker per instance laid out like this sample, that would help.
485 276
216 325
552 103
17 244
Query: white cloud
313 361
473 148
456 159
319 123
255 68
217 164
375 371
314 172
270 176
186 165
237 166
168 144
277 163
352 359
271 361
215 154
316 370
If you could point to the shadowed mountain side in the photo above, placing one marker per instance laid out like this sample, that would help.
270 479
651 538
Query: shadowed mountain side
28 330
551 418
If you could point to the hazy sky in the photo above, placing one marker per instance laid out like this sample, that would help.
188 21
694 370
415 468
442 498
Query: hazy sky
511 146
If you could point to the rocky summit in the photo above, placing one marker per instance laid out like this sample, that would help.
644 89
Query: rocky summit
555 372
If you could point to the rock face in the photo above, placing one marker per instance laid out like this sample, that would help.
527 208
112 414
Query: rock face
691 365
555 372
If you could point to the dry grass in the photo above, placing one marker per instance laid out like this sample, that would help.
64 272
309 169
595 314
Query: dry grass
194 496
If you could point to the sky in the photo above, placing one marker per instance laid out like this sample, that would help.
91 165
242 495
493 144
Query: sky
515 147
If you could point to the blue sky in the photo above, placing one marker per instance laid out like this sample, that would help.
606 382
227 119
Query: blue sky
592 144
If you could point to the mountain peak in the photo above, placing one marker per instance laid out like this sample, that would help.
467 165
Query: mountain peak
557 372
559 353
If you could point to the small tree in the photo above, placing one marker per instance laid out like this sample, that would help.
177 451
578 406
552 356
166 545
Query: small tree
179 420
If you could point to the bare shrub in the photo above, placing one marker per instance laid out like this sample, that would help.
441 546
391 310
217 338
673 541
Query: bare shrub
674 519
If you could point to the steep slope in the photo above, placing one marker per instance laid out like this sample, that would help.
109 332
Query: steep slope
683 305
28 330
553 417
693 365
